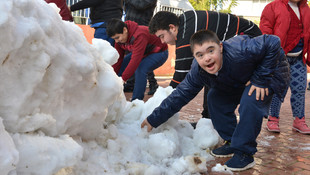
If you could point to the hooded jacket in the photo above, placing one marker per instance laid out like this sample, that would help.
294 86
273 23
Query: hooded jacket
275 19
260 60
141 44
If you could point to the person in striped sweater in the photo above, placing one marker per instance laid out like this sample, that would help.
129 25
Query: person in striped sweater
175 30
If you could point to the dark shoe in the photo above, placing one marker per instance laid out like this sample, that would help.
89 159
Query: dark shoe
223 151
240 162
153 89
128 88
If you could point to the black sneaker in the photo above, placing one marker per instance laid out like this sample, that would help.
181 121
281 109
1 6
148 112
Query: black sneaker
240 162
223 151
153 89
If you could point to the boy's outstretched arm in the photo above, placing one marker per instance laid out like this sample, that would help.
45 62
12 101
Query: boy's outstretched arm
184 93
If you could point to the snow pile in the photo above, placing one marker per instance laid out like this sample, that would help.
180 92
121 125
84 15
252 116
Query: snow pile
63 111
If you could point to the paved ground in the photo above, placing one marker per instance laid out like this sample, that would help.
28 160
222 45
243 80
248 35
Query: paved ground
278 154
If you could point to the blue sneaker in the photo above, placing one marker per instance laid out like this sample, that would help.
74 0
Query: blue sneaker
223 151
240 161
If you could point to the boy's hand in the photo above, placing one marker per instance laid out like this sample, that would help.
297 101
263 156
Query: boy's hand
260 92
146 123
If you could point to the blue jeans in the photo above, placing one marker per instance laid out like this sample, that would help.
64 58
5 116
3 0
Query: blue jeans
222 106
148 64
100 32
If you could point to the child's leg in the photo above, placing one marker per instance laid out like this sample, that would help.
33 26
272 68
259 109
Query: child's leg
275 106
298 87
148 64
222 111
251 113
124 64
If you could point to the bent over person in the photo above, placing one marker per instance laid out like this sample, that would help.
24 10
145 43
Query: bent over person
146 53
175 30
241 70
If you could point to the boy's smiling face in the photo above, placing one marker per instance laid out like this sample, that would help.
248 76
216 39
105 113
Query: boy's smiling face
209 56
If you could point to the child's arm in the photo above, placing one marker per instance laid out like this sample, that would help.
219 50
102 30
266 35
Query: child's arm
184 93
248 28
138 50
266 51
118 64
267 20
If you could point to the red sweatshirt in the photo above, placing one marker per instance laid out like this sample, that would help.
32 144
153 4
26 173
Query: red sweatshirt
141 44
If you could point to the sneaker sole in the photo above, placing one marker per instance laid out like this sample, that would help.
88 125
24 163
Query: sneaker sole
251 165
216 155
277 131
297 130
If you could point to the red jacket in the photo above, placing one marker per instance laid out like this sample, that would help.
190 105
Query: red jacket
65 13
141 44
275 19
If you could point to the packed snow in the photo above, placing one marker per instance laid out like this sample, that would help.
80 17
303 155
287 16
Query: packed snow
63 110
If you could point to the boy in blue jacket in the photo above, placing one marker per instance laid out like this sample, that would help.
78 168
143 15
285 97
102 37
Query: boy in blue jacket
241 70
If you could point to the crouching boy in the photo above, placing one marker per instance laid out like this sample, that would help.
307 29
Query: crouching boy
145 53
241 70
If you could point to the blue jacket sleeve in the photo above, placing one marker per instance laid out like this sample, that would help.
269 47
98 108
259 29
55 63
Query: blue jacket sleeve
185 92
269 49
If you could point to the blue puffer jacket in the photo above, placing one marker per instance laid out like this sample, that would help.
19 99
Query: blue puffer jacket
260 60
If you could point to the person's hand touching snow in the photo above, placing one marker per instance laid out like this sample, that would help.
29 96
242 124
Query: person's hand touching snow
146 123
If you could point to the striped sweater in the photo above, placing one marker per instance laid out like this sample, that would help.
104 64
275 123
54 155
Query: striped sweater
223 24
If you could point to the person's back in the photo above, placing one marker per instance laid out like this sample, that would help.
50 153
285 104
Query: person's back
100 14
290 20
100 11
140 11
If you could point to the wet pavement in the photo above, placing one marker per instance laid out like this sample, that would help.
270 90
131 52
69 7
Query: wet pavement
287 152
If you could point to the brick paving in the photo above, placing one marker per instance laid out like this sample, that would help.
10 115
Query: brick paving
287 152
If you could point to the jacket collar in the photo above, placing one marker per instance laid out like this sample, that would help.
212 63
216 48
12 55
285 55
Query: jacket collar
132 27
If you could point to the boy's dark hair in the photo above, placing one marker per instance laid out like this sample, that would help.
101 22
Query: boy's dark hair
161 21
115 26
203 36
